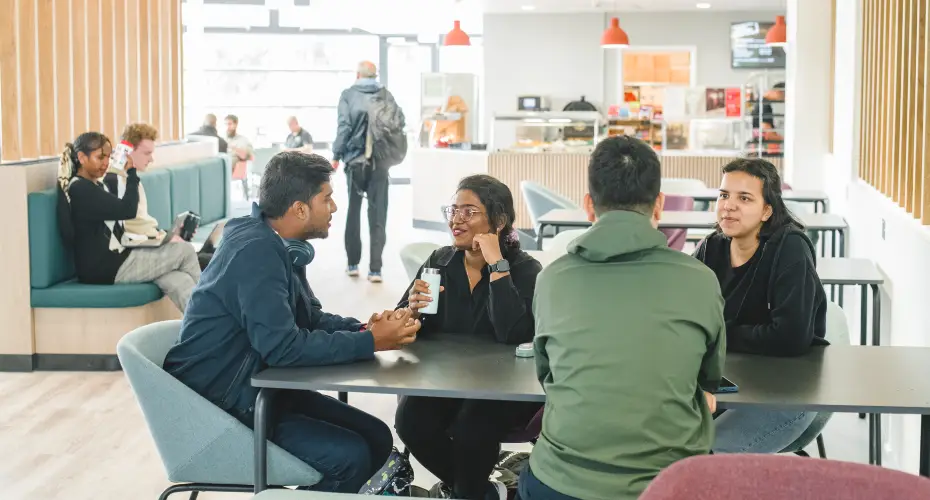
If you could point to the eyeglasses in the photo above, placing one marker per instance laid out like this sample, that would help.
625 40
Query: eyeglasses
465 214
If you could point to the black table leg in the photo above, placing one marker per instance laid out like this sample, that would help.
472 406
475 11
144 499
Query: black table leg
842 254
872 439
876 426
863 322
925 445
539 235
876 316
344 397
262 423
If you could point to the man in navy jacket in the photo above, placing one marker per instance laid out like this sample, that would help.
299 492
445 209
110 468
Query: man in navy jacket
253 309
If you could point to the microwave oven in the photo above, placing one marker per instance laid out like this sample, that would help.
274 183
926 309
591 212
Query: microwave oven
532 103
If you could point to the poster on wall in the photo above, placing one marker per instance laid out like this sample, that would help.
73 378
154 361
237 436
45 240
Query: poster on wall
715 101
733 102
748 49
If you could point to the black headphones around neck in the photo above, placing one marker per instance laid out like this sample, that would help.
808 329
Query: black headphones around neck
300 252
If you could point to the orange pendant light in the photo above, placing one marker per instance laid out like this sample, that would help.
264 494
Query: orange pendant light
613 36
778 34
457 37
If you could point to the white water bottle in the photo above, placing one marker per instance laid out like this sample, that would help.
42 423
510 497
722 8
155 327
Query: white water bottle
432 277
120 155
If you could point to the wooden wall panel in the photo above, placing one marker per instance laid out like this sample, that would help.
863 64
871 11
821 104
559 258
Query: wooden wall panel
69 66
45 21
28 79
134 66
64 82
9 104
145 61
108 69
895 105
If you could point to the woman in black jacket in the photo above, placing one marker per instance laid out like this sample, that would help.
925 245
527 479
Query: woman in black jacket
775 303
487 291
90 219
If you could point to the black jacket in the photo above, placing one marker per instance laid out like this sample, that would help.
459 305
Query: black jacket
778 307
87 233
502 309
254 309
209 131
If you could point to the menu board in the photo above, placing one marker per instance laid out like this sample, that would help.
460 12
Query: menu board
748 49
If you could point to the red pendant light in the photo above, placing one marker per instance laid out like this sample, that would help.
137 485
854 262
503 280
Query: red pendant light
613 36
457 37
778 34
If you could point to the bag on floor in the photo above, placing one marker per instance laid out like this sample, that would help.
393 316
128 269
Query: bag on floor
394 479
510 465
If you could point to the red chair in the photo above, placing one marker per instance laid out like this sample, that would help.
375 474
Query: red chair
674 203
781 477
528 434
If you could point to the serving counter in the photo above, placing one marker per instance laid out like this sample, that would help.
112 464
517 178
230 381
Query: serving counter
436 173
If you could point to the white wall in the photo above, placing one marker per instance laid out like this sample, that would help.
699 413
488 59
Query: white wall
903 254
552 55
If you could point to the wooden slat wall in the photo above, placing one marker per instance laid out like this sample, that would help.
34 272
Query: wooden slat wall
69 66
894 116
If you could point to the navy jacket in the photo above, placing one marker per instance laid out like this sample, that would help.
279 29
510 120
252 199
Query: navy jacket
353 119
253 309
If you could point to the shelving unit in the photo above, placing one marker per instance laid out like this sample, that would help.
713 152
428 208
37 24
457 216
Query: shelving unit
757 110
650 131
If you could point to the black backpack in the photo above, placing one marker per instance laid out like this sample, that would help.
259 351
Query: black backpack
386 140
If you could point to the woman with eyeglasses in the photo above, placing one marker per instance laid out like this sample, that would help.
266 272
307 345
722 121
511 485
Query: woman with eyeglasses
487 291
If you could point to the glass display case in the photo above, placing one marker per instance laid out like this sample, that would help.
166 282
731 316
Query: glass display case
546 131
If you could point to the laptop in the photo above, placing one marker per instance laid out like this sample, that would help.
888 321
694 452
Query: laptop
213 241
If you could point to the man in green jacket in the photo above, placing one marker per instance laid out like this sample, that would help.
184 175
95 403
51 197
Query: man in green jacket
629 335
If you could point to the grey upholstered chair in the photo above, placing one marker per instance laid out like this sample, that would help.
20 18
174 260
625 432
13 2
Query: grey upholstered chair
200 445
837 334
414 255
540 200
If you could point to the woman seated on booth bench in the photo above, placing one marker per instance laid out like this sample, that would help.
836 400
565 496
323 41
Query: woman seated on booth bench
487 290
91 221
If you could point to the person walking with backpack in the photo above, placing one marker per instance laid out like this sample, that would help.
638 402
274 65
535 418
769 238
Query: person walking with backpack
370 140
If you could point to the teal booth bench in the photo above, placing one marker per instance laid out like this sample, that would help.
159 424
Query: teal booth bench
77 326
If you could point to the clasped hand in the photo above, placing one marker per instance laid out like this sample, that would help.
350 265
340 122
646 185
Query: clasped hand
393 329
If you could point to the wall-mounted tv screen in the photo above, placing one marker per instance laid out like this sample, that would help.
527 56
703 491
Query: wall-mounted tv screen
748 49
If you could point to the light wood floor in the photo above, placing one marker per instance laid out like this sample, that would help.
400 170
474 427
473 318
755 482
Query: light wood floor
81 436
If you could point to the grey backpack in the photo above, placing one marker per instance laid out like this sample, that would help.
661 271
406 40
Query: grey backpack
386 140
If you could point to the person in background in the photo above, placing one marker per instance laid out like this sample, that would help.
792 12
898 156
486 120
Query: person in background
299 139
208 129
775 303
91 220
630 342
142 137
240 153
254 309
487 290
349 147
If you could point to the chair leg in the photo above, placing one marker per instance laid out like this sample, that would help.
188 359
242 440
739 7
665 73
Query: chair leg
821 447
802 453
196 488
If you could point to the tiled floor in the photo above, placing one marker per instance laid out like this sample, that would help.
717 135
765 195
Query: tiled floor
81 436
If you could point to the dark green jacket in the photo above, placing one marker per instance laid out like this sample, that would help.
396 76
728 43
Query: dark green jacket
628 333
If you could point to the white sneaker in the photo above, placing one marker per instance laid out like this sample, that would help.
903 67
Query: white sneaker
352 271
375 277
497 487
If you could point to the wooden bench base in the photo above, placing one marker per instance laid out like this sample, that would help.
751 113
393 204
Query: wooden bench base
85 339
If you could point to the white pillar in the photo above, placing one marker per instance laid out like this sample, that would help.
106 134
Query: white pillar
808 93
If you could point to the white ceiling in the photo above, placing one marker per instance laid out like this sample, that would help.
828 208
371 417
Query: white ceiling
629 5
